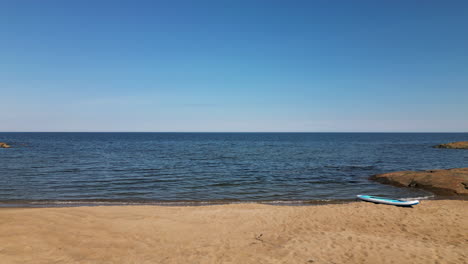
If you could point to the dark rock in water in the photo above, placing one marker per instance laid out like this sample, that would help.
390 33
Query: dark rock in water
443 182
4 145
454 145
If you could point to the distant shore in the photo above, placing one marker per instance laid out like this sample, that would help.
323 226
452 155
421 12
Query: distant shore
359 232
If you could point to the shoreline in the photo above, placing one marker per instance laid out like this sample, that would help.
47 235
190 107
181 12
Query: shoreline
357 232
194 203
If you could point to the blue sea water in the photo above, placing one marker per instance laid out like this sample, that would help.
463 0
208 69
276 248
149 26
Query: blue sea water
69 168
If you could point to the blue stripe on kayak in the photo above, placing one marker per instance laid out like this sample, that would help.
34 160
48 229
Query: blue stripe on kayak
383 199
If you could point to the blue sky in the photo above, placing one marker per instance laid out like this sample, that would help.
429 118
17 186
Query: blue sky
313 66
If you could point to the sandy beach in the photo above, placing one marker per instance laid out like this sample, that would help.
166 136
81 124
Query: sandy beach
432 232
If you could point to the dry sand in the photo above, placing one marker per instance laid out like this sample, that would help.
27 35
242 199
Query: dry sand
432 232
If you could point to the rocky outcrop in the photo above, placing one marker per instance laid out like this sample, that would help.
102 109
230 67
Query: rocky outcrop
454 145
443 182
4 145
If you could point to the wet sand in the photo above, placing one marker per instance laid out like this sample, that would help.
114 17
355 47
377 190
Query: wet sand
432 232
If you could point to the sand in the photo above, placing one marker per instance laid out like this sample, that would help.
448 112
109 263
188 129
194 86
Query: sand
432 232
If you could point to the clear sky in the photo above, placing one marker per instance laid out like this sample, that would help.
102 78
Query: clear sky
234 65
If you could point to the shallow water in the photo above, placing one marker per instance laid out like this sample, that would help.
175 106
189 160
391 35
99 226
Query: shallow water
126 168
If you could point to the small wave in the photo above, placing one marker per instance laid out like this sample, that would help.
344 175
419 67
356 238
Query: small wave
418 198
362 167
76 203
351 167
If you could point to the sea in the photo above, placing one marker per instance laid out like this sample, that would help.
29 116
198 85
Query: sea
71 169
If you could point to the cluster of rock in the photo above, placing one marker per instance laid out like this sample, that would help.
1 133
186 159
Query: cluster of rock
442 182
454 145
4 145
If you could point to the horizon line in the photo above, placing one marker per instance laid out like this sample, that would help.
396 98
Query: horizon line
304 132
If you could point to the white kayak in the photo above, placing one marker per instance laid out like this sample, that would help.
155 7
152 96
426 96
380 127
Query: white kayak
375 199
